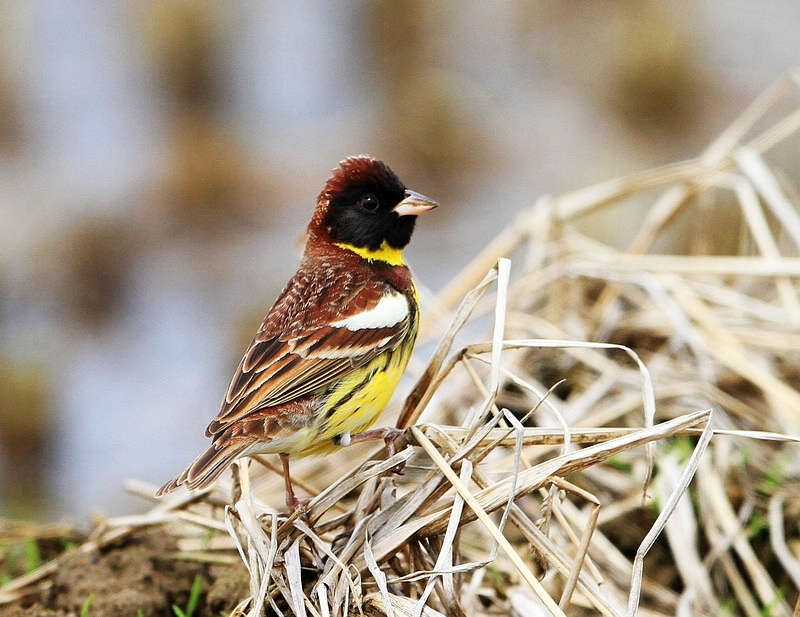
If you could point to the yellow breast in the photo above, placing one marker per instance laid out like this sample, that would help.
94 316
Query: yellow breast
357 401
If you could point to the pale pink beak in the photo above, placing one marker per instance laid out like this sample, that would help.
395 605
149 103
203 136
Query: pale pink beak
414 204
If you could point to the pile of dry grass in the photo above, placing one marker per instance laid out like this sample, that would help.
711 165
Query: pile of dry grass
654 470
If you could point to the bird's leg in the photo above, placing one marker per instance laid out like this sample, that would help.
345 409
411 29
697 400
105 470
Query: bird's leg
388 434
292 502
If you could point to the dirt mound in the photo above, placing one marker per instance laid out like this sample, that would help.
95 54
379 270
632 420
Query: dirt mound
139 575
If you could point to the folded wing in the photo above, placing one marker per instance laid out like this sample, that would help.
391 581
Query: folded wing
312 336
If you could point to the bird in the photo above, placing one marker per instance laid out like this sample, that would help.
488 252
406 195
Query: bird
332 349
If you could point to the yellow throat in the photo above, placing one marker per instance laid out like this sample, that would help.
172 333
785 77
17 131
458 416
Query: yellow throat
384 253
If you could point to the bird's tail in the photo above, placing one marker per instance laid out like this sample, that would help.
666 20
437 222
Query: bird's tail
207 467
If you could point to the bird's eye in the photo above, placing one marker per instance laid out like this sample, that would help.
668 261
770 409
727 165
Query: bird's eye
369 203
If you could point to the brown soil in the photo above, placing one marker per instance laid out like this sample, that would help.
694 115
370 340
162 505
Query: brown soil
139 575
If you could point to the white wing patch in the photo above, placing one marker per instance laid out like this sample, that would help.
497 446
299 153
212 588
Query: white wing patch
390 310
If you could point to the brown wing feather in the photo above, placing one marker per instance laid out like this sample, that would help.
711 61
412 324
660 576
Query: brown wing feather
297 351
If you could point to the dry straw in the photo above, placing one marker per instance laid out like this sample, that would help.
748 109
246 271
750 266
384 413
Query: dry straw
652 472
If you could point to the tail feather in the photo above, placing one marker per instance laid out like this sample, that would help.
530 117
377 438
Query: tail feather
207 467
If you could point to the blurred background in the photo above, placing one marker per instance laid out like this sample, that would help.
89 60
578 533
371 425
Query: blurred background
159 161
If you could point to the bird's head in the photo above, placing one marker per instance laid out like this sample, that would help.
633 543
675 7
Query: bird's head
365 205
